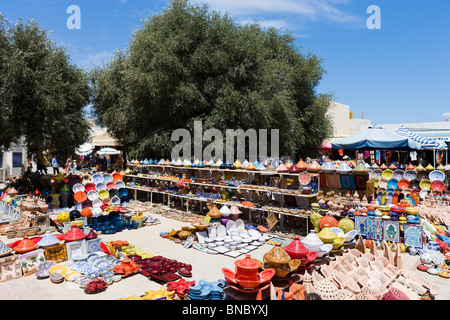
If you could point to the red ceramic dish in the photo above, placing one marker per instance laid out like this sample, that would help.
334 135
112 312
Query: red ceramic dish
403 184
230 276
310 257
266 275
437 185
247 283
247 267
89 187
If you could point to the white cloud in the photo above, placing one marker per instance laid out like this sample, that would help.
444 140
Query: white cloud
300 10
94 59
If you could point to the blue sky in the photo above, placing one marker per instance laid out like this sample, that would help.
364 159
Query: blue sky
397 74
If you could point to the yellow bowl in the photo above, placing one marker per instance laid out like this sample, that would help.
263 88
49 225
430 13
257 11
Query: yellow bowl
337 243
425 184
387 174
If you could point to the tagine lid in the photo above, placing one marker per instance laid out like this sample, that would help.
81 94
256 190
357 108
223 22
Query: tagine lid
91 235
248 263
296 247
277 255
25 245
302 165
75 234
214 212
294 169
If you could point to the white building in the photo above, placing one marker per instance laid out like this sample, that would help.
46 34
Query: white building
12 161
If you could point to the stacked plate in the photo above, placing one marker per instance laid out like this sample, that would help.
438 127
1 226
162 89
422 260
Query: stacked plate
199 292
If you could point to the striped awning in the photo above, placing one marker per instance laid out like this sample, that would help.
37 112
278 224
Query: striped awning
424 142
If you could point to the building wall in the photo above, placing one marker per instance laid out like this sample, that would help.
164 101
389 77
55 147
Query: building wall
340 115
13 160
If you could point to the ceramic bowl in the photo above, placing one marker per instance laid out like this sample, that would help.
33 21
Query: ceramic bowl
392 183
377 173
338 242
398 174
414 184
422 175
338 231
403 184
78 187
425 184
410 175
437 185
436 175
324 249
383 183
349 236
387 174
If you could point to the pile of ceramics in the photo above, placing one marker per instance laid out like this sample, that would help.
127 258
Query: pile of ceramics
366 275
207 290
267 165
434 262
98 191
162 270
232 240
180 287
247 277
161 294
84 268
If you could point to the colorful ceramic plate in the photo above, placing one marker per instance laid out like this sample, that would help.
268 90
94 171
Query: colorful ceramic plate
89 187
100 186
392 183
410 175
80 196
304 178
377 173
77 188
403 184
92 195
437 185
424 193
398 174
387 174
108 178
425 184
383 183
422 175
111 185
436 175
103 194
414 184
87 178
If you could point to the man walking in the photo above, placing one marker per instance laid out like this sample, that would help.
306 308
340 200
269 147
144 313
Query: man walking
55 166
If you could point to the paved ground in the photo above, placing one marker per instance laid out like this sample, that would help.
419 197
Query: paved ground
205 266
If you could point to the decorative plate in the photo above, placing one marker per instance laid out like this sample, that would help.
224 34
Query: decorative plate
398 174
437 185
410 175
425 184
387 174
392 183
377 173
436 175
304 178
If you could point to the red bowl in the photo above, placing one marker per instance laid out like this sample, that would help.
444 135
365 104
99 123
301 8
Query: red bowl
230 276
248 284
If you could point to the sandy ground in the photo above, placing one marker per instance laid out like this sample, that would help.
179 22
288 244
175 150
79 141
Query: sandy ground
205 266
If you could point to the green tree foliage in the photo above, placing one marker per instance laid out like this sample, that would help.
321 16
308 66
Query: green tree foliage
42 95
189 64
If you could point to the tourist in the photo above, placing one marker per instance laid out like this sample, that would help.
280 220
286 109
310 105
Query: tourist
55 166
